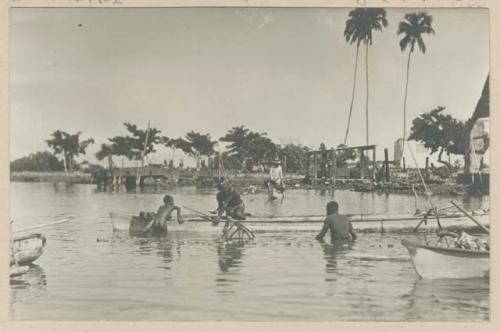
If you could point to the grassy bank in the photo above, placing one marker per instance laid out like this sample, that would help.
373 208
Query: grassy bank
69 177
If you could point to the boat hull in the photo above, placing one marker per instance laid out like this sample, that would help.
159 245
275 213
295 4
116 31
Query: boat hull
361 223
448 263
26 249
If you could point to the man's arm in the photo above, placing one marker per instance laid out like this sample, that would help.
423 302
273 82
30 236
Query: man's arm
351 231
323 231
179 216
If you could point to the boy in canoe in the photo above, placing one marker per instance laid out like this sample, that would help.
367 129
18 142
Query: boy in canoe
339 226
164 214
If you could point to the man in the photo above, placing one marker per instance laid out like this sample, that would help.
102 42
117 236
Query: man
164 214
339 226
230 202
276 176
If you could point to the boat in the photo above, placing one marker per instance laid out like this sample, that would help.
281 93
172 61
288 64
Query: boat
26 248
432 262
361 222
16 271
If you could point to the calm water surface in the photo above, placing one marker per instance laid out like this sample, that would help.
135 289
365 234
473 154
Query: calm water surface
89 273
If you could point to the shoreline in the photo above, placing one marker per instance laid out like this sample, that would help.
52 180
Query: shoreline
68 177
246 182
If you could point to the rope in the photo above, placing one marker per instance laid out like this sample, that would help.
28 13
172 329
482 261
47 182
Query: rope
427 192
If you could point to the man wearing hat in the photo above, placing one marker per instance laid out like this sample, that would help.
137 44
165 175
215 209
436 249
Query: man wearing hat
276 176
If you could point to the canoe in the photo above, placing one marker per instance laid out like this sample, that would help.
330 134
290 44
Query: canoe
16 271
361 222
27 248
432 262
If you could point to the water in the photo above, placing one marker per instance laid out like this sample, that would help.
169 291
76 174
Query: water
87 273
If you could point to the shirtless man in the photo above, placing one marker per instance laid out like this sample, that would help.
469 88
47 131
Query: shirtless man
231 203
164 214
339 226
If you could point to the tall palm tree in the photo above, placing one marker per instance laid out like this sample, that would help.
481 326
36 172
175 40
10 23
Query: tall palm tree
413 27
358 28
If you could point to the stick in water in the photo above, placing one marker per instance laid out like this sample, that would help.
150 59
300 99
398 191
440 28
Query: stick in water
42 225
471 218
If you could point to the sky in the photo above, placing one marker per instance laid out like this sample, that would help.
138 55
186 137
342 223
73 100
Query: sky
284 71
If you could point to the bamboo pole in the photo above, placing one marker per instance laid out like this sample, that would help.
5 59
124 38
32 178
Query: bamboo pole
40 226
471 217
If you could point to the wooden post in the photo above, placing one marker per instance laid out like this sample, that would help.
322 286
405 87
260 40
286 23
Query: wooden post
361 158
315 170
374 163
334 166
404 164
386 164
427 166
308 157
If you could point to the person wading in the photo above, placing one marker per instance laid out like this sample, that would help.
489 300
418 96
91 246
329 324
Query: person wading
339 226
276 177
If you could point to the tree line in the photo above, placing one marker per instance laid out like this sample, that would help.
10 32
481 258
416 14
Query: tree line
245 148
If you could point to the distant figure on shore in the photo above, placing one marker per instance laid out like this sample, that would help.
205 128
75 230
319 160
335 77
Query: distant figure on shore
339 226
276 178
164 214
230 202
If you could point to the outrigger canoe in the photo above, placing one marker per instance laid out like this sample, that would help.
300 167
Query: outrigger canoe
361 222
432 262
27 248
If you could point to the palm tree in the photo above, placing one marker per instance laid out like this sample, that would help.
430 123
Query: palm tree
358 28
413 27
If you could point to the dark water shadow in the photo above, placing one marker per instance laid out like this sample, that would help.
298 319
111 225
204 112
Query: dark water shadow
230 255
430 298
331 253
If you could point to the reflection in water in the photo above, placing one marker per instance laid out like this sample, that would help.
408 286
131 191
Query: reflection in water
28 286
331 252
431 298
230 254
124 278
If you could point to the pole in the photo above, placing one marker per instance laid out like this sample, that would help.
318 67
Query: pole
471 218
374 162
40 226
427 166
145 146
386 164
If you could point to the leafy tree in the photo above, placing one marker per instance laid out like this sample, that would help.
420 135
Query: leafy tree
37 162
195 145
440 132
135 146
107 152
342 156
296 157
248 145
413 27
359 29
68 145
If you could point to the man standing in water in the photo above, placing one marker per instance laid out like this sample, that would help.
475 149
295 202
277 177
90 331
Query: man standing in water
339 226
276 177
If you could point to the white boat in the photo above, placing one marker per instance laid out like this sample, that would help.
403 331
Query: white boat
27 248
16 271
432 262
361 222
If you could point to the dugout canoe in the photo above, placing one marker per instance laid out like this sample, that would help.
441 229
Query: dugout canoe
432 262
27 248
361 222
